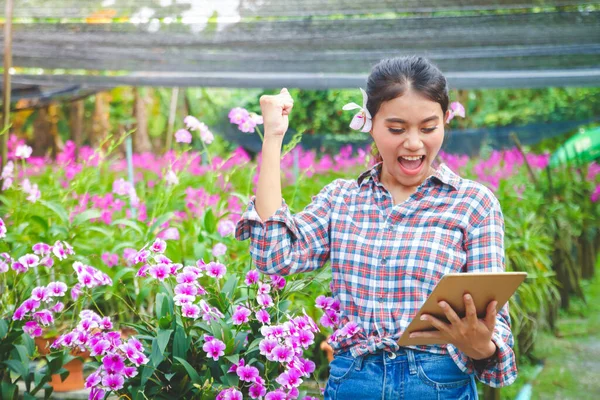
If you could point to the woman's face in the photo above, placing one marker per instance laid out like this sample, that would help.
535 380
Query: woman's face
408 132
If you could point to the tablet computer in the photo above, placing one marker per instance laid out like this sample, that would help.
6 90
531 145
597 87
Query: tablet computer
483 287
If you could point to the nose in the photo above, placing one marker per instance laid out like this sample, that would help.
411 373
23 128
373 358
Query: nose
413 141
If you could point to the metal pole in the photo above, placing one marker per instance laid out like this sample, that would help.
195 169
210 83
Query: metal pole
129 153
6 83
171 123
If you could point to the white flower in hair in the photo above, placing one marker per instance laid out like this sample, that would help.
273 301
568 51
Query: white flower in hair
456 109
362 119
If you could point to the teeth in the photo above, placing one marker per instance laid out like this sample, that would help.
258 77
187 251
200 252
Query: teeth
412 158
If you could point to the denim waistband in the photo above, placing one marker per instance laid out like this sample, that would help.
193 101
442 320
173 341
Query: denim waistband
403 355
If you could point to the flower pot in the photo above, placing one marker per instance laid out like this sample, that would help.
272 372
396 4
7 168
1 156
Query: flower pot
75 379
72 382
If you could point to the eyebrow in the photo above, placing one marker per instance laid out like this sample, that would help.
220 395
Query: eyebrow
401 121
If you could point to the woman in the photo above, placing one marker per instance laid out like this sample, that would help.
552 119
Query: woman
391 235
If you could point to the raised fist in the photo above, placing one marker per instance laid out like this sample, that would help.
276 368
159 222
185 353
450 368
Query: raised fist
275 110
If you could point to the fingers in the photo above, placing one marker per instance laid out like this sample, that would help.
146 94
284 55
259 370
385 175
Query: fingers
287 106
450 314
490 316
283 101
286 100
470 309
283 97
427 334
437 324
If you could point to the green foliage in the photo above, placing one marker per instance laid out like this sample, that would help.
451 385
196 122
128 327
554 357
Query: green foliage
178 367
320 111
17 351
501 107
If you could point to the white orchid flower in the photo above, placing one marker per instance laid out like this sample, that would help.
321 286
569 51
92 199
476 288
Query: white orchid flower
456 109
362 120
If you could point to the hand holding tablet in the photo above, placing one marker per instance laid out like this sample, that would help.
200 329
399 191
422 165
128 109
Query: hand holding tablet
487 291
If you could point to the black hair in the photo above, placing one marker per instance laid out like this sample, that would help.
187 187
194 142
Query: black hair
392 77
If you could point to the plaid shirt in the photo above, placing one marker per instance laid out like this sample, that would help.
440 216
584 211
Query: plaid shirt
386 259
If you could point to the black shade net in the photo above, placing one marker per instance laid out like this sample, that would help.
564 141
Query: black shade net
244 44
145 9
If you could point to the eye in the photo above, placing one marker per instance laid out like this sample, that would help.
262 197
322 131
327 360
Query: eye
429 130
400 130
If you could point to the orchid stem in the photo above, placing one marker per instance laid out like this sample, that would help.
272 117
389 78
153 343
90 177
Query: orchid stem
262 139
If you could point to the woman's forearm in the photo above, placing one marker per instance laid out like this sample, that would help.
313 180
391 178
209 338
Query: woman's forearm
268 192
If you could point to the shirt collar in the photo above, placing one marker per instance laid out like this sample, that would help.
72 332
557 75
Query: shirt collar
442 173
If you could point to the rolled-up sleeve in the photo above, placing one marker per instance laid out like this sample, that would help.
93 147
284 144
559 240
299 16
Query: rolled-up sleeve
485 253
286 244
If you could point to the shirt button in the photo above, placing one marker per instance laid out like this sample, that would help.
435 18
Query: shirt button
383 261
392 356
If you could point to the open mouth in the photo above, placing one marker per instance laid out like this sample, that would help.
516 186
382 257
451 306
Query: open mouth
411 164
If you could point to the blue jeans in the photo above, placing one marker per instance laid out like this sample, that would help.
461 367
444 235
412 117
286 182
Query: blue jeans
405 374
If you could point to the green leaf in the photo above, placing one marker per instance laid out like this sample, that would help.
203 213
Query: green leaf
27 396
122 272
146 374
42 222
7 202
122 244
143 294
163 339
3 328
106 232
29 344
240 339
190 370
210 222
169 376
156 356
253 345
165 322
58 210
199 250
159 221
204 326
48 391
8 390
86 216
284 305
63 373
17 367
234 359
161 305
229 344
181 343
38 378
230 286
130 223
58 231
296 139
22 351
55 362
